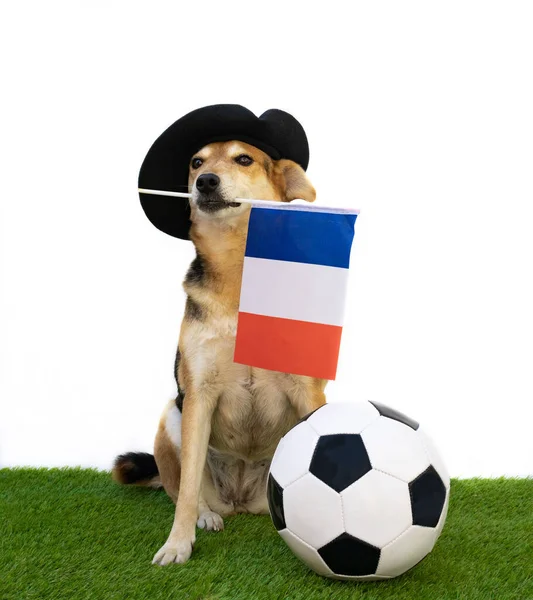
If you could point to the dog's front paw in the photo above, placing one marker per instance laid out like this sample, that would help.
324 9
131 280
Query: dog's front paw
210 521
174 552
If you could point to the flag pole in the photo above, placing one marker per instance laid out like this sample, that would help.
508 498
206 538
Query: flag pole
261 203
186 195
162 193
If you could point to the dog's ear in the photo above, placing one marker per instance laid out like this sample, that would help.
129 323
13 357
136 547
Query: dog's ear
297 185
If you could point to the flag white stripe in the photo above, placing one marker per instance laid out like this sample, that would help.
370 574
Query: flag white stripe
291 290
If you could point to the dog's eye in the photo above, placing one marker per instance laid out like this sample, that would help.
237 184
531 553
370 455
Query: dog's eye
244 160
196 163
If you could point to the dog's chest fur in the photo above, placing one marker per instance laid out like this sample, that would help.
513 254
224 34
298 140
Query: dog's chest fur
252 411
252 414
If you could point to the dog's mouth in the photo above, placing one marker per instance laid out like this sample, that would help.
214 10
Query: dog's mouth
213 202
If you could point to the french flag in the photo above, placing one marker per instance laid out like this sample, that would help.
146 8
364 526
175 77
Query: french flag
294 288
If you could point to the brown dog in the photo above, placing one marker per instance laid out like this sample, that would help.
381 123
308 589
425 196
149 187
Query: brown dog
216 440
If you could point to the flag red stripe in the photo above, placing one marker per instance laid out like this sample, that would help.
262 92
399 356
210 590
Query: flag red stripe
287 345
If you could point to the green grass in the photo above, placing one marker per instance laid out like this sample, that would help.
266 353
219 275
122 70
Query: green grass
74 534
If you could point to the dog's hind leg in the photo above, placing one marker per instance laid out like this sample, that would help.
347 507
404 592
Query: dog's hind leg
167 450
209 517
211 507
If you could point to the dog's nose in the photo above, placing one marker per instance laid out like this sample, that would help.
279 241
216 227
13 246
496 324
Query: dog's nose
208 182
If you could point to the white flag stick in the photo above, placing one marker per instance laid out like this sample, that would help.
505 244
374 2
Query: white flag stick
185 195
161 193
264 203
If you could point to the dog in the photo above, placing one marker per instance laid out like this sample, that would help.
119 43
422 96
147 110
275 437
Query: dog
215 441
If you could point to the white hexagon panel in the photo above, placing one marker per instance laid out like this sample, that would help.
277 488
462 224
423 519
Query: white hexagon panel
313 511
395 448
377 508
342 417
293 454
406 551
435 457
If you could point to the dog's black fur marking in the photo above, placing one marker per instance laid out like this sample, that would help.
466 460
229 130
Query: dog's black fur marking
197 271
181 392
179 400
176 366
193 310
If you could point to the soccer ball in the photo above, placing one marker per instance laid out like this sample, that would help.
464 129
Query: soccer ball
358 491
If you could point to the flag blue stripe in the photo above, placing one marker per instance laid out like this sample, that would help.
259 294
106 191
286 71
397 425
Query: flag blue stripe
301 236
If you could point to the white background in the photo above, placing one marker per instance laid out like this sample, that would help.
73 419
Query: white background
418 113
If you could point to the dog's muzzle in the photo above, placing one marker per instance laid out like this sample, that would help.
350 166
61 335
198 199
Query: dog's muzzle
209 199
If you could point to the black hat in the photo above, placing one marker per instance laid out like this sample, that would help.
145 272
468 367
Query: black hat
166 166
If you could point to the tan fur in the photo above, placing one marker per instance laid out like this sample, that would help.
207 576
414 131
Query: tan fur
233 415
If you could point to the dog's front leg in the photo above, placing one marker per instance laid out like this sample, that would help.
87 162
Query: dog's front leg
195 432
305 394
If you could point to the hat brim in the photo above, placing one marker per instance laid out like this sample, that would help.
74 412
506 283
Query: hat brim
166 166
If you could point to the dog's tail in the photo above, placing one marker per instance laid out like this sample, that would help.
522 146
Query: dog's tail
136 468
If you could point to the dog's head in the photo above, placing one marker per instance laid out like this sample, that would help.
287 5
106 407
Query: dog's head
223 171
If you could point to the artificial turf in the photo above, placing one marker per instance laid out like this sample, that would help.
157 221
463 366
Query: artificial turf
74 534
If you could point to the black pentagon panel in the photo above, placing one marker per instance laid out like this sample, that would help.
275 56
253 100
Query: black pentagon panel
391 413
428 494
339 460
346 555
275 503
